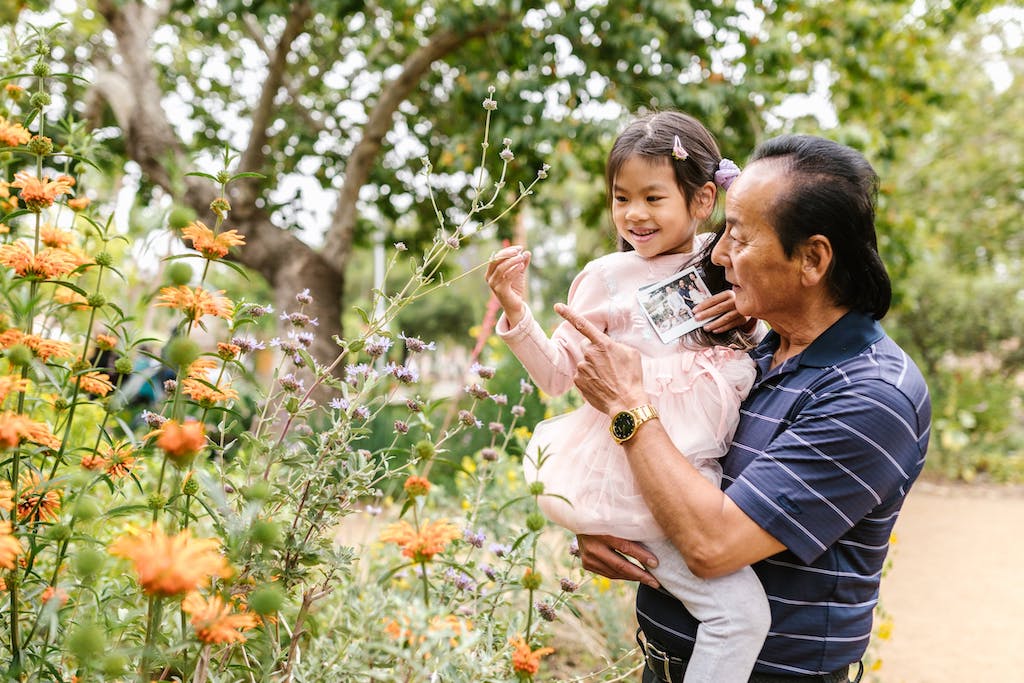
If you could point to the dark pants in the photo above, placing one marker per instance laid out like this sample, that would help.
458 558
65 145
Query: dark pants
651 677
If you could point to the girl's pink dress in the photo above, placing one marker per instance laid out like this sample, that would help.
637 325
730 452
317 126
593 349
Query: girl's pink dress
697 392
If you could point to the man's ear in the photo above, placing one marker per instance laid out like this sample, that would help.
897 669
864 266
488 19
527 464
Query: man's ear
704 201
815 259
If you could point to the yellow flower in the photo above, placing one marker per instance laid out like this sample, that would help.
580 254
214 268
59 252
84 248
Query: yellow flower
213 620
40 193
195 303
525 660
208 244
171 565
10 547
48 263
885 630
421 546
13 134
36 501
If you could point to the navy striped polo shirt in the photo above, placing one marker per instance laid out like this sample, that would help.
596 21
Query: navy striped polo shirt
828 445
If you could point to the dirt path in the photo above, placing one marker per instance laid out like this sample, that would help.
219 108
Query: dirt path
955 592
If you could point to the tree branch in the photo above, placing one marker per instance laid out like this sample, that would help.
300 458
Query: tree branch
337 248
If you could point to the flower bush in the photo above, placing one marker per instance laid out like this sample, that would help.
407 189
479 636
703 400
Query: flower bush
212 538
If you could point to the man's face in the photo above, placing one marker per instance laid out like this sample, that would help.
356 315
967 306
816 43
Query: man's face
766 282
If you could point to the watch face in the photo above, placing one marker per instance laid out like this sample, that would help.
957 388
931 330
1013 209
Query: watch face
623 425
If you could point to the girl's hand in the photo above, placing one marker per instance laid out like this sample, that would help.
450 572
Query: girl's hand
506 276
723 304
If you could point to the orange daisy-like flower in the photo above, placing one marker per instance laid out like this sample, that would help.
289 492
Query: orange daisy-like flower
54 592
40 193
171 565
525 660
70 297
37 502
106 342
48 263
15 429
79 203
6 495
213 620
95 383
208 244
117 461
416 486
196 303
421 546
54 237
7 202
228 351
13 134
10 547
10 384
181 441
206 395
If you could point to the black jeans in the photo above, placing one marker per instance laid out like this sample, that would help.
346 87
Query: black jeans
651 677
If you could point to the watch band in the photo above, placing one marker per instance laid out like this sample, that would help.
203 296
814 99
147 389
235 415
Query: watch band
625 423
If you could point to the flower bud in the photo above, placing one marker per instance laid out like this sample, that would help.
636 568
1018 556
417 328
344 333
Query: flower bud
178 273
96 300
40 100
190 487
123 365
19 354
104 258
41 69
423 450
181 351
536 488
266 600
156 501
266 533
180 217
531 580
535 521
40 144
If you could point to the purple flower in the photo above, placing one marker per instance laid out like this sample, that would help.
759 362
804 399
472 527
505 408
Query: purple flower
489 454
489 572
247 344
400 246
568 586
500 399
466 418
476 391
574 548
170 386
460 580
361 413
403 373
496 427
518 411
414 405
546 611
339 404
291 383
452 241
727 172
475 539
482 371
303 297
152 419
258 310
417 345
401 427
300 319
305 338
500 550
377 346
525 387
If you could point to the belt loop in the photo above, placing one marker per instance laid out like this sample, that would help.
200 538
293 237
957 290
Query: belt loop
668 674
860 672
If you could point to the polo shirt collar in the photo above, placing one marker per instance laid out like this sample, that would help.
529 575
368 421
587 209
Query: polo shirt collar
847 337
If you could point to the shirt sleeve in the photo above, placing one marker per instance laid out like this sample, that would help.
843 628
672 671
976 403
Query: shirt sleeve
552 361
845 453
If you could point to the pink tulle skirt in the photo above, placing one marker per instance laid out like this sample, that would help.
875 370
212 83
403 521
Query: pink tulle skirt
588 485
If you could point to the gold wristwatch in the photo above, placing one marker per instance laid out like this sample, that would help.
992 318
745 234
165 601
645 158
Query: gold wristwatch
625 423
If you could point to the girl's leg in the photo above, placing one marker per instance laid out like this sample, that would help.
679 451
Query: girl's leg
733 611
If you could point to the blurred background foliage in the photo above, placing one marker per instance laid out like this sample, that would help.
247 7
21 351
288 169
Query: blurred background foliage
337 102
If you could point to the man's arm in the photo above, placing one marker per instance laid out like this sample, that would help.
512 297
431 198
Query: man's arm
714 535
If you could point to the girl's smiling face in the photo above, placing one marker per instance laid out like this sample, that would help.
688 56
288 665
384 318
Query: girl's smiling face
649 209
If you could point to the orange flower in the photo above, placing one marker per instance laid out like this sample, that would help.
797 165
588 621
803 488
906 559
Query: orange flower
53 592
117 461
416 486
170 565
209 245
13 134
206 395
525 660
228 351
72 298
201 367
55 237
421 545
10 384
213 620
94 461
48 264
15 428
6 496
36 502
10 547
403 633
40 193
195 303
95 383
79 203
181 441
106 342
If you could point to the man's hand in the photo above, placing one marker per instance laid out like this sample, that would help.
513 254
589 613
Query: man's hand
610 376
606 555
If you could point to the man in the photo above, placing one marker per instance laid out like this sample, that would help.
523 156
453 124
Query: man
831 437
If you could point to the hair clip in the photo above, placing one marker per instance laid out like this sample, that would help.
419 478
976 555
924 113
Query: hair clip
679 153
727 172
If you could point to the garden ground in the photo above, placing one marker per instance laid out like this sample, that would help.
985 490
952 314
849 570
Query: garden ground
955 592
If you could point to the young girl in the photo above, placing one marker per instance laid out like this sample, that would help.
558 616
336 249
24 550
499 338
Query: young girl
663 176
